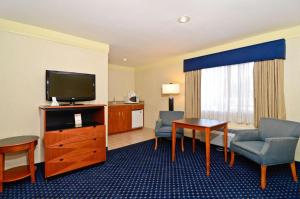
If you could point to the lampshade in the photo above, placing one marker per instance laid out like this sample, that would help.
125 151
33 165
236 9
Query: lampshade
170 88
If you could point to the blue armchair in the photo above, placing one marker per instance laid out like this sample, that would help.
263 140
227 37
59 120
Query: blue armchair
163 126
274 142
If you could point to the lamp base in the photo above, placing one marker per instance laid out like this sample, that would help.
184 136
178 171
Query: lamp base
171 103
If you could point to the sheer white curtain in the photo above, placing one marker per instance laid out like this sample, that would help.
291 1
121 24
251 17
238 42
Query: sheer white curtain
227 93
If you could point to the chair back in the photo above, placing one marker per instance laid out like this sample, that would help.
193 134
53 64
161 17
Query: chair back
278 128
168 116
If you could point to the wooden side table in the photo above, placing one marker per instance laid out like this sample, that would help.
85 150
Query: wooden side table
15 144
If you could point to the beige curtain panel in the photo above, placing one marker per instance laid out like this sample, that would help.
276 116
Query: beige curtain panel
268 90
193 94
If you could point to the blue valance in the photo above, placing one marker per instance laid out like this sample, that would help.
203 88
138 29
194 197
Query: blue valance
259 52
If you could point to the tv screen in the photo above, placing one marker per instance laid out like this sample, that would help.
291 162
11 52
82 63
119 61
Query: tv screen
70 86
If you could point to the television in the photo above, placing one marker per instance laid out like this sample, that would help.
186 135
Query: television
70 86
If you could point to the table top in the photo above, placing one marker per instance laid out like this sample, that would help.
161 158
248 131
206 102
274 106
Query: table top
18 140
200 122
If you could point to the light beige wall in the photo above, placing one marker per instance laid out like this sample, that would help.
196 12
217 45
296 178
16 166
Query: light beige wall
120 81
292 82
148 85
150 77
23 62
292 78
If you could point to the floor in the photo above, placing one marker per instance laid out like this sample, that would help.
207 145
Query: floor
137 171
132 137
127 138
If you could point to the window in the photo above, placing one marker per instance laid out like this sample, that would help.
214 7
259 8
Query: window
227 93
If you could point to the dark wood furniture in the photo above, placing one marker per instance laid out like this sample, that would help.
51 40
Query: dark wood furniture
205 125
120 117
16 144
67 147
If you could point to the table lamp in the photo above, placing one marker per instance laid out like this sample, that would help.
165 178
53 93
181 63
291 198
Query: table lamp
170 89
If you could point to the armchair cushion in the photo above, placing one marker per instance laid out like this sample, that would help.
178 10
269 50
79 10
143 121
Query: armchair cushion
166 131
245 134
251 146
249 149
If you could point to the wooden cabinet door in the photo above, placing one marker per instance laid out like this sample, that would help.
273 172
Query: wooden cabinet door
124 118
119 119
113 117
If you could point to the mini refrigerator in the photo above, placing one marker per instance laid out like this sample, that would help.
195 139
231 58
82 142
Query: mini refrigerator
137 118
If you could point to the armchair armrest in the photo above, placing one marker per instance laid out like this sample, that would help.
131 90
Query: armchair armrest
279 150
158 124
245 135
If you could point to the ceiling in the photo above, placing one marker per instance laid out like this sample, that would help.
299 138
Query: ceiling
145 31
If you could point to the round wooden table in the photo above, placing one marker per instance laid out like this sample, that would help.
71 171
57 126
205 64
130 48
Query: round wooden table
16 144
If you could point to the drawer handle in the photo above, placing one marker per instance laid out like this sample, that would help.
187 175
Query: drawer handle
95 138
95 151
60 130
61 145
61 159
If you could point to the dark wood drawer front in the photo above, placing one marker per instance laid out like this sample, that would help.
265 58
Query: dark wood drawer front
53 138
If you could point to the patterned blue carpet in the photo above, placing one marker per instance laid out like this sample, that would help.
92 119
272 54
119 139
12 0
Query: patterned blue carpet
137 171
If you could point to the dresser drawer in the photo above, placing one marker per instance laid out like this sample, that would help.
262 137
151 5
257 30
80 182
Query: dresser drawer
73 149
53 138
69 163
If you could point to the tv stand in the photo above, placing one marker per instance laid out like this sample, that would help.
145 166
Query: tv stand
67 147
71 104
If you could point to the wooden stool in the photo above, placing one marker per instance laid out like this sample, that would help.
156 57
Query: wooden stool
15 144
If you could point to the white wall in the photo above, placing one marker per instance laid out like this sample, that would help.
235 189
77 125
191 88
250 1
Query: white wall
121 80
23 62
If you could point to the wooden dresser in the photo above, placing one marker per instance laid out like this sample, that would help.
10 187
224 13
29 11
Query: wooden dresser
121 117
67 147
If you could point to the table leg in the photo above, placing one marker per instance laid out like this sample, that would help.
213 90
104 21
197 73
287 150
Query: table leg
207 151
225 141
173 141
194 143
31 162
1 171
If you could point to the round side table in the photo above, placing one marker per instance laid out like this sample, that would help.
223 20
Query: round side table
16 144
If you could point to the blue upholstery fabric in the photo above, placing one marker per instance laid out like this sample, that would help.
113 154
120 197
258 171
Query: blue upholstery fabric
251 146
249 149
279 150
245 134
276 128
168 116
273 143
163 127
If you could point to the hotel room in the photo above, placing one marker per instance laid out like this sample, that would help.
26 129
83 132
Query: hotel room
148 99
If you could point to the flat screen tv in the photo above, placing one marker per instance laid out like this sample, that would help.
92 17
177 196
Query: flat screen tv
70 86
